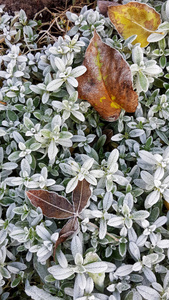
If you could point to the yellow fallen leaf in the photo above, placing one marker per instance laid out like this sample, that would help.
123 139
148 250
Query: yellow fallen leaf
135 18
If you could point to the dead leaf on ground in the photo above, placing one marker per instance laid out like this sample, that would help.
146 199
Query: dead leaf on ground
107 83
56 206
103 6
135 18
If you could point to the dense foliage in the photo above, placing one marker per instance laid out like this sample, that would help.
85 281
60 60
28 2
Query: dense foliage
51 140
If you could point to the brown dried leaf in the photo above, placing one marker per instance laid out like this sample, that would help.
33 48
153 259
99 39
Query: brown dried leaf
68 229
52 205
81 195
107 84
55 206
103 6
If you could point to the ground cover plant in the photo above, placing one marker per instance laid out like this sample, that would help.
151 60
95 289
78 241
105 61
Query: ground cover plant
84 154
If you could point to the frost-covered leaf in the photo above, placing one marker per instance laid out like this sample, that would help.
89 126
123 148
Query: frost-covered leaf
148 293
101 85
135 18
38 294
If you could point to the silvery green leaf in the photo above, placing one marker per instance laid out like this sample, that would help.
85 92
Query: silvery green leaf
152 198
136 278
42 232
60 273
3 74
150 259
102 229
35 146
155 37
132 235
148 293
137 55
54 85
78 138
149 274
4 272
109 185
162 136
148 178
128 222
16 181
166 181
78 71
157 287
124 270
60 64
35 89
5 296
97 213
167 9
164 26
28 123
141 240
52 150
1 155
134 250
160 221
113 157
166 280
117 137
143 81
116 221
88 164
72 81
72 184
9 166
76 246
78 115
96 267
163 244
110 267
77 291
107 200
81 280
152 69
65 135
45 98
38 294
61 258
25 166
11 94
120 179
136 132
141 214
66 168
122 249
78 259
18 74
91 179
89 285
128 200
147 157
18 137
